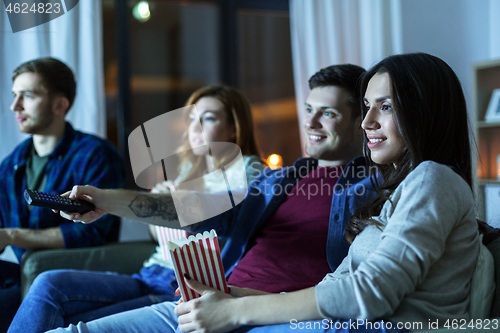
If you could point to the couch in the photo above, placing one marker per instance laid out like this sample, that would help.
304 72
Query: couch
124 258
494 248
110 258
494 324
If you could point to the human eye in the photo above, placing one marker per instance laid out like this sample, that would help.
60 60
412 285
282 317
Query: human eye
329 113
386 107
209 118
309 110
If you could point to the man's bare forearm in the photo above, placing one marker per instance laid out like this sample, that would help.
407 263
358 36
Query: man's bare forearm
157 209
144 205
50 238
152 208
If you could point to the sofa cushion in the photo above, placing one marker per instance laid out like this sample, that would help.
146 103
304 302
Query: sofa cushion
123 258
494 248
482 284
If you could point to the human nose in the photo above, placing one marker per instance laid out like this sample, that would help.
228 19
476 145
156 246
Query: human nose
16 104
312 120
370 121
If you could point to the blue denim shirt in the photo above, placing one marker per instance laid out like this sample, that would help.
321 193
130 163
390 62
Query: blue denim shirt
78 158
267 192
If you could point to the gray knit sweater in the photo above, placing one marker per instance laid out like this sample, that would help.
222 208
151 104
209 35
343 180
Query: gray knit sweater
420 266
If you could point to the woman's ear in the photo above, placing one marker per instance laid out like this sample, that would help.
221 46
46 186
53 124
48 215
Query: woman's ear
234 124
234 130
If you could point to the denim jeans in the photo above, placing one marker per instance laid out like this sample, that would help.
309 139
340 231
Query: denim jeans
161 318
60 297
150 319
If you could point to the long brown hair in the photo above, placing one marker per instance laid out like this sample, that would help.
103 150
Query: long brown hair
431 114
238 112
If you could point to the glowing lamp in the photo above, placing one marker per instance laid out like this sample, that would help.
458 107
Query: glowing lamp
274 161
141 11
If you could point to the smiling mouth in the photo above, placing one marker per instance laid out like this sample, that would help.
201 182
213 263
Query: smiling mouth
314 137
376 140
373 143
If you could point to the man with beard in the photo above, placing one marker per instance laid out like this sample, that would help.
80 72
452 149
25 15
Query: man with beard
52 159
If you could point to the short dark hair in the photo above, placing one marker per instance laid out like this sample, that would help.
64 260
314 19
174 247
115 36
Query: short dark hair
345 76
56 76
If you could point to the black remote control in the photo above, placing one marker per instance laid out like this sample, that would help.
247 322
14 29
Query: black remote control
54 201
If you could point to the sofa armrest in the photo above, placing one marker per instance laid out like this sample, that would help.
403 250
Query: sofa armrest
494 248
123 258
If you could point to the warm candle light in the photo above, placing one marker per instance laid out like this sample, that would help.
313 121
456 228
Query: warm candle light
274 161
498 167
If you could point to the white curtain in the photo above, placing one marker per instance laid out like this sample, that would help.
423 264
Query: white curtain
494 29
329 32
76 39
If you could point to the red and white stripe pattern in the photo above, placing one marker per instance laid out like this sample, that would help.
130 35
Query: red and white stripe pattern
168 234
199 257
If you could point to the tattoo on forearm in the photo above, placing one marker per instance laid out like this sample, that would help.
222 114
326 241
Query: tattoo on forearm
145 206
189 208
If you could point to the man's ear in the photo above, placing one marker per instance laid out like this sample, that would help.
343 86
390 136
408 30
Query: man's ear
60 105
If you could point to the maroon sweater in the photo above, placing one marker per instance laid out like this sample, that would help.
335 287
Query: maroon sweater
289 252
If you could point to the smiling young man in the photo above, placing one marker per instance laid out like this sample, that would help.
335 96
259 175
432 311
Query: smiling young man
332 121
53 158
287 234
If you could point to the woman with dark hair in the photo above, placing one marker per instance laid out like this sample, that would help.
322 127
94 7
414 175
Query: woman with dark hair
414 249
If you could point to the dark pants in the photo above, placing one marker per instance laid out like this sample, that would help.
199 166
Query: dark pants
10 293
